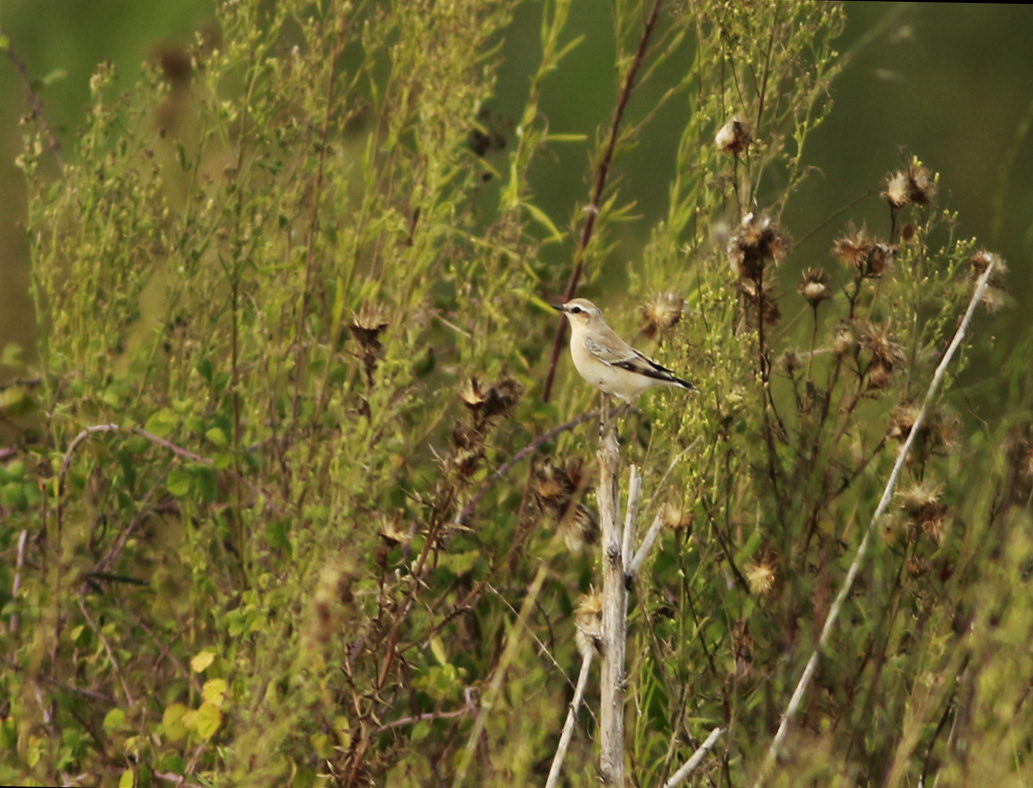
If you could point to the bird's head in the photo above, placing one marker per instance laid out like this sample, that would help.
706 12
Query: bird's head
580 312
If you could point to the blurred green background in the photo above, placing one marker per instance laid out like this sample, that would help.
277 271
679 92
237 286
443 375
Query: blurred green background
949 83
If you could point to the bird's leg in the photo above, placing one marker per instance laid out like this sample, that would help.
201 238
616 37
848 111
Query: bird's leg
604 417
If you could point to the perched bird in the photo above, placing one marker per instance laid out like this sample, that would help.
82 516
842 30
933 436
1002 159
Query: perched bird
607 361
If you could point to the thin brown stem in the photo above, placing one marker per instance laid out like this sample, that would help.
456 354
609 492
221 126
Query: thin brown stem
592 211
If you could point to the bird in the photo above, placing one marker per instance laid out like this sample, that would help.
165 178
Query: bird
607 361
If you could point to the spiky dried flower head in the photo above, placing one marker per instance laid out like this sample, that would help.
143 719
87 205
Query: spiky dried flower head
391 531
588 618
734 137
896 192
579 527
758 241
768 306
993 297
886 354
760 576
367 325
467 451
661 313
924 510
676 517
844 338
814 286
869 257
915 185
502 397
471 393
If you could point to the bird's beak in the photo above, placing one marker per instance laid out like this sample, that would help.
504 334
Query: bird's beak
560 307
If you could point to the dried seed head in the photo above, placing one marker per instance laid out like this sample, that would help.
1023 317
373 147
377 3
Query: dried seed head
896 191
467 451
367 325
878 341
869 257
675 517
588 618
879 375
916 565
734 137
579 528
502 398
661 313
760 576
844 338
392 533
852 249
471 394
980 260
921 185
925 512
758 241
902 422
815 286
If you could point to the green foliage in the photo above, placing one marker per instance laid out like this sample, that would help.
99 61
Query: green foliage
290 329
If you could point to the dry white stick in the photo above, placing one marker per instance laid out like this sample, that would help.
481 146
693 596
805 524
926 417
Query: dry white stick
862 550
614 623
568 726
631 515
690 765
18 576
647 545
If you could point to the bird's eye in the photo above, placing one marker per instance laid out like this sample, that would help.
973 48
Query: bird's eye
575 310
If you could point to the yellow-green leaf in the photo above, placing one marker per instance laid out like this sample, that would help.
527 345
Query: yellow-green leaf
172 721
214 692
209 718
201 661
127 780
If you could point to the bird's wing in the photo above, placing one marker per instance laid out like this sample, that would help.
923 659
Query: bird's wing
613 351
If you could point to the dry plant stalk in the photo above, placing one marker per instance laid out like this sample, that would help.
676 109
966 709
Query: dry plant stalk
615 608
862 550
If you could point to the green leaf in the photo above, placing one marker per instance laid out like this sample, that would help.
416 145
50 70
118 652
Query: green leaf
16 401
214 692
543 219
114 720
127 780
172 721
209 718
217 437
178 483
201 661
162 423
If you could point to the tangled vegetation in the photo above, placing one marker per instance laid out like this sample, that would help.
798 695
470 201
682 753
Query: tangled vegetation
300 497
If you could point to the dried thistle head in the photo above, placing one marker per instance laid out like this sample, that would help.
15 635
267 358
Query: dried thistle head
579 527
472 395
391 531
924 510
734 137
844 338
588 618
551 487
902 422
760 576
852 248
994 296
467 451
502 398
870 258
758 241
815 286
921 184
877 339
896 190
661 313
368 324
676 517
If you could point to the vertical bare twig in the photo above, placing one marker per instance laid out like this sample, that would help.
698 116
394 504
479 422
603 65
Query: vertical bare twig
614 624
862 550
18 577
631 515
